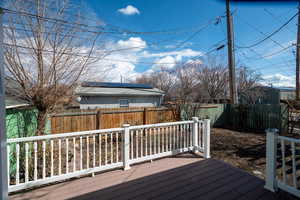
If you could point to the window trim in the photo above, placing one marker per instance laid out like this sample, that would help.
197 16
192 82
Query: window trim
124 105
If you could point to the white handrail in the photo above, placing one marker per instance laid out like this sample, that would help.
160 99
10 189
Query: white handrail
62 135
161 124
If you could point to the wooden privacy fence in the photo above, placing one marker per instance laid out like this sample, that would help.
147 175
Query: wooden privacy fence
50 158
109 118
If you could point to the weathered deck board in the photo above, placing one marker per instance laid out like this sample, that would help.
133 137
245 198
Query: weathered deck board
183 177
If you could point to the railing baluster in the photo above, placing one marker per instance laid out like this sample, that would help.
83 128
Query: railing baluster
26 162
163 144
51 149
100 156
74 154
155 131
199 134
136 144
185 135
283 160
18 163
44 159
174 137
105 137
294 165
8 164
111 148
158 139
178 136
150 141
67 155
142 137
87 152
117 146
59 157
146 142
80 143
35 161
181 136
131 144
169 133
94 151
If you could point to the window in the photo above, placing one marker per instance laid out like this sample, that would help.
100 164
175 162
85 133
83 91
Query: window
124 103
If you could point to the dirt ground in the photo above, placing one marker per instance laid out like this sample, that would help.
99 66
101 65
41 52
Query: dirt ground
246 151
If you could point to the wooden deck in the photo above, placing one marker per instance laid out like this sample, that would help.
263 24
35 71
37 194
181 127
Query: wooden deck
182 177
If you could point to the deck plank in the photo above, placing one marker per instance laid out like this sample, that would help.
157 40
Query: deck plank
182 177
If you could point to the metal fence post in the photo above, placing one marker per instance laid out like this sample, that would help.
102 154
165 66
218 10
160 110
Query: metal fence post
126 145
271 155
4 159
195 134
206 138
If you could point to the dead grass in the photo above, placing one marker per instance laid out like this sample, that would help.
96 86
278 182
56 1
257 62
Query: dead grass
246 151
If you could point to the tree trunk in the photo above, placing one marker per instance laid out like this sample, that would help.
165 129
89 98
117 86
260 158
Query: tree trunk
41 122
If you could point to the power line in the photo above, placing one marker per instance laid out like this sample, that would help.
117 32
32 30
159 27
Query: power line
271 34
88 26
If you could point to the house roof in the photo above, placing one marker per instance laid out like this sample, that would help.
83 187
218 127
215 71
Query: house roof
13 102
114 91
115 85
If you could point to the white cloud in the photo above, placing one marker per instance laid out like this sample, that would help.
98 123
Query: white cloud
183 53
129 10
195 61
133 44
125 62
279 80
165 62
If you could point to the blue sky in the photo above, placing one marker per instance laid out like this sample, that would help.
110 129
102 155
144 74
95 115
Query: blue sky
252 22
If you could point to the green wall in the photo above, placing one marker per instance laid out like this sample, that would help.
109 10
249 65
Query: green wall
21 122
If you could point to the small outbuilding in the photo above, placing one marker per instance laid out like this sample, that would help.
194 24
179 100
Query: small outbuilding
93 95
270 95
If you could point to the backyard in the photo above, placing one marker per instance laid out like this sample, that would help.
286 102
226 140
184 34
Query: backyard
240 149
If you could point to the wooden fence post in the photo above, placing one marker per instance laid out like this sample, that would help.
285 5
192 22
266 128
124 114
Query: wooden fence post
271 155
145 117
206 138
98 119
126 145
195 133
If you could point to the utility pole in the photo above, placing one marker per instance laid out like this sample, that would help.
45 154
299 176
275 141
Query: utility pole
3 143
298 58
231 62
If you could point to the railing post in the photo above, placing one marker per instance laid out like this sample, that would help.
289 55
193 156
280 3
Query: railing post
271 155
206 138
126 145
195 134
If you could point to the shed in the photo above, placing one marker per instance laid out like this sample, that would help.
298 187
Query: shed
273 95
93 95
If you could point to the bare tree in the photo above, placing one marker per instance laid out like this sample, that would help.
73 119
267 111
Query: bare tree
213 79
248 85
163 80
186 83
46 52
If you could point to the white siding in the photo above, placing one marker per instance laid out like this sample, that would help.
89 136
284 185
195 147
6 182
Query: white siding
92 102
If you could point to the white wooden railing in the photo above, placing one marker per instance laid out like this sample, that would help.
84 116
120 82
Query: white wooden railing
45 159
282 166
